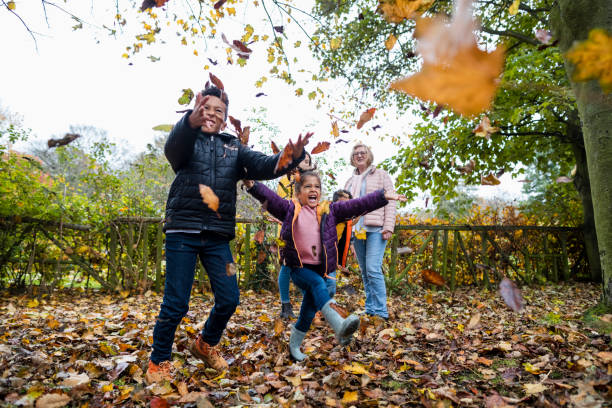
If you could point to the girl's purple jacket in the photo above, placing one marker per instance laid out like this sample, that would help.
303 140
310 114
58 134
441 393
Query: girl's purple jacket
329 214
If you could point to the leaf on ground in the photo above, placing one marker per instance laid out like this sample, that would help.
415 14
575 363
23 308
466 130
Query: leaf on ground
355 368
159 402
474 321
350 396
52 401
534 388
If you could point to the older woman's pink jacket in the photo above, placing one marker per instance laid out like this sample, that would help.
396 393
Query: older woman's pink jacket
375 180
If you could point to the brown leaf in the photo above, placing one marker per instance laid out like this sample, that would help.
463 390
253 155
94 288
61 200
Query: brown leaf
320 148
216 81
489 180
159 402
236 124
366 116
261 256
259 236
209 198
285 158
52 401
68 138
275 148
147 4
511 294
230 269
218 4
474 321
433 277
484 128
244 136
468 168
279 327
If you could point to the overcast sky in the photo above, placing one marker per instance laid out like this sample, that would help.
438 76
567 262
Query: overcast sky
69 79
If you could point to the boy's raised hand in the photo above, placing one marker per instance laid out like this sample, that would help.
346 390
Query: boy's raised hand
390 195
298 147
196 118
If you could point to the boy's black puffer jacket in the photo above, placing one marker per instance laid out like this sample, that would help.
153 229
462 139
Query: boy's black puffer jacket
218 161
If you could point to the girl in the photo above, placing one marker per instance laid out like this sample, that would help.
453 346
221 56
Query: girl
310 236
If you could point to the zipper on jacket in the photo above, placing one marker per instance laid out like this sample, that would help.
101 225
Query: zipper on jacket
213 162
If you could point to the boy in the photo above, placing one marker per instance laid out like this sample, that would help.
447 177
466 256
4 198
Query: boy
200 154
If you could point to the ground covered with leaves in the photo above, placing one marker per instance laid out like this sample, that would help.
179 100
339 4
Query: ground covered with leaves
436 350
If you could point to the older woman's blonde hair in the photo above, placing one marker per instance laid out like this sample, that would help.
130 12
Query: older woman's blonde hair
370 155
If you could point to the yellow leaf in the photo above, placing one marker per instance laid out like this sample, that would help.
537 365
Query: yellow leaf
484 128
361 234
513 9
335 43
149 37
107 387
11 5
593 59
350 396
390 42
264 318
355 368
335 130
531 369
489 180
278 327
33 303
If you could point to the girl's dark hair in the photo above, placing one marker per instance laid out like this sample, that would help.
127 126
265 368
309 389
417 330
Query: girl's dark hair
300 180
341 193
219 93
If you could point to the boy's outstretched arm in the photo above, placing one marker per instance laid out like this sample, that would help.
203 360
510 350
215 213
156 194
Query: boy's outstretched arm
259 166
274 204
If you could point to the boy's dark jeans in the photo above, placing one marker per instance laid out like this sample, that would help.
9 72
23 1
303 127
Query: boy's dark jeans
182 250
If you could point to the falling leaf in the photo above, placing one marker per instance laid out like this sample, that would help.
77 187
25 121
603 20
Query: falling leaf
534 388
260 94
335 43
279 29
209 198
215 80
484 128
468 168
543 36
218 4
365 116
68 138
335 130
230 269
275 148
11 5
489 180
147 4
390 42
242 50
244 135
236 124
593 59
320 148
163 128
186 97
511 294
395 11
285 158
563 179
433 277
514 7
341 141
376 127
466 83
212 62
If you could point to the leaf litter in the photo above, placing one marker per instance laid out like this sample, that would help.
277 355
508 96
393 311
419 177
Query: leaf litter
467 349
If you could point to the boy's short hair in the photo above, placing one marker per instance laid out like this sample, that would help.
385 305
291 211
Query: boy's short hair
338 194
219 93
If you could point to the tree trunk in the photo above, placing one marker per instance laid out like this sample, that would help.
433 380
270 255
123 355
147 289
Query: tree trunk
572 20
583 186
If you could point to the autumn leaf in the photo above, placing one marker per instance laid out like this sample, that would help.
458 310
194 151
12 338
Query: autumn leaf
335 131
186 97
209 198
159 402
68 138
355 368
514 7
489 180
244 135
279 327
395 11
365 116
484 128
216 81
230 269
242 50
259 236
468 168
275 148
53 401
361 234
236 124
147 4
350 396
285 158
593 59
534 388
433 277
218 4
511 294
466 83
390 42
320 148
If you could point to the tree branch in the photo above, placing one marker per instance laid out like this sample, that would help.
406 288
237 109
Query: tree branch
24 24
513 34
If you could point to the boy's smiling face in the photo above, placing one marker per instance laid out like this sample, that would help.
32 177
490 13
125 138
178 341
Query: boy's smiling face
310 192
214 115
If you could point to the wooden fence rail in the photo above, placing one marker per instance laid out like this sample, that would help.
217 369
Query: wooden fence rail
128 254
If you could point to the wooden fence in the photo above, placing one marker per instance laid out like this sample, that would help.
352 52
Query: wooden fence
128 254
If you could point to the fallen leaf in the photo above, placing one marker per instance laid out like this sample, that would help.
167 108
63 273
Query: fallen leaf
52 401
75 380
534 388
355 368
474 321
365 116
320 148
279 327
350 396
159 402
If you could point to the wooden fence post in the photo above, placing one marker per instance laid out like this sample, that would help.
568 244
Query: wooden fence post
145 251
453 279
445 254
434 256
112 256
485 259
247 252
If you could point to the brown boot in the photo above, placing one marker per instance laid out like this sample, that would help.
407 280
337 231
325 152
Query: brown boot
158 373
207 353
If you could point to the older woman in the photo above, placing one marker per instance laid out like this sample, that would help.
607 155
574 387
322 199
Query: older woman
378 227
